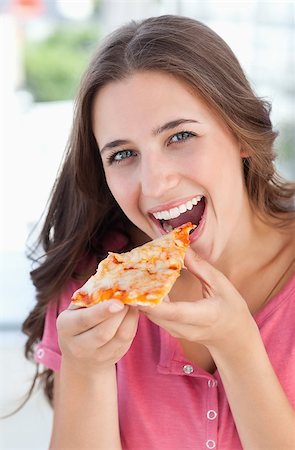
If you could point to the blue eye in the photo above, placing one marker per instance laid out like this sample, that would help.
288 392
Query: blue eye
119 156
180 137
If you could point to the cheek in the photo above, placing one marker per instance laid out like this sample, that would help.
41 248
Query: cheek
123 190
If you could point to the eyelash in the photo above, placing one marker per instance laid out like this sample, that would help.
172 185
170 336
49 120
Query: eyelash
111 158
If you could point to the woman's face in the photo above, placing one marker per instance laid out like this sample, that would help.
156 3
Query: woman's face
168 159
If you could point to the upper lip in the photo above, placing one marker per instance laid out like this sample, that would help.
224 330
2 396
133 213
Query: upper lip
174 204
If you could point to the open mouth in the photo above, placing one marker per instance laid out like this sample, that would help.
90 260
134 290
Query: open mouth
192 211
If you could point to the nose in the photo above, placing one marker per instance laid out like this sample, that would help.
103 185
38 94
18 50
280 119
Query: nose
158 175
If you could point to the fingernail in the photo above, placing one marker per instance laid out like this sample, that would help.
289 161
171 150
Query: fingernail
73 306
116 307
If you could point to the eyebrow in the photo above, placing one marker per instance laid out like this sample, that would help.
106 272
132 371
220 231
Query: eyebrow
167 126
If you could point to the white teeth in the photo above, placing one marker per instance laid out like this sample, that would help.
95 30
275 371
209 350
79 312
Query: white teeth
166 215
189 205
176 211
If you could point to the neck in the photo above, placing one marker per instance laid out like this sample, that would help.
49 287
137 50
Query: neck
264 255
253 243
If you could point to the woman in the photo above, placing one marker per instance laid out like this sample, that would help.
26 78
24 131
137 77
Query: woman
165 118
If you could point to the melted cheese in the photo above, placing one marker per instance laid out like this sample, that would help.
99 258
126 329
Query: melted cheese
143 275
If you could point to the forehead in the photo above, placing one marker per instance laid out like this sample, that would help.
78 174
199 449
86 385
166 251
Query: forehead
144 99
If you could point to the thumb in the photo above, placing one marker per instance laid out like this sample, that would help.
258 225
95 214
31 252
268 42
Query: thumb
212 280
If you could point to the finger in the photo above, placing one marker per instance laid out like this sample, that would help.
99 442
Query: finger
79 320
127 329
199 312
212 279
99 335
177 330
123 338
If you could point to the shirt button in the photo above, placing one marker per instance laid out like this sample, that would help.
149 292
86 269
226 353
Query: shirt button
210 443
211 414
212 383
40 353
188 369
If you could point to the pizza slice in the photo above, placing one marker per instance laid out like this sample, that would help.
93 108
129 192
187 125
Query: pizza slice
143 276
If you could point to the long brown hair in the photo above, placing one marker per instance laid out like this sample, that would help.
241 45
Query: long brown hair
82 209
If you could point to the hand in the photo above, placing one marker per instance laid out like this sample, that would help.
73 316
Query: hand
96 338
216 320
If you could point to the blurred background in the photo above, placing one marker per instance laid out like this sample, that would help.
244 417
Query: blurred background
44 48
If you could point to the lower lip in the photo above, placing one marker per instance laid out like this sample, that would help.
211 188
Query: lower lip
199 230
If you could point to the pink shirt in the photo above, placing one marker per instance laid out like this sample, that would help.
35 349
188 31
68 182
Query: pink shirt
167 403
